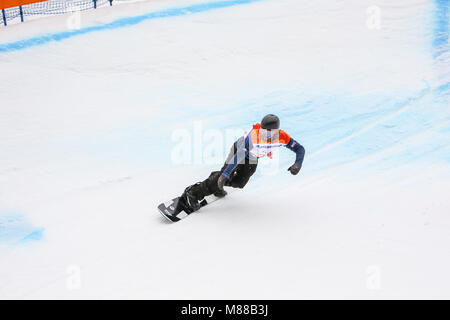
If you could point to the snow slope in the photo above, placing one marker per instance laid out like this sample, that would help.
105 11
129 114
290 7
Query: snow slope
90 120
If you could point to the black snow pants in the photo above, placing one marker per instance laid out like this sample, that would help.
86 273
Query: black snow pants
238 178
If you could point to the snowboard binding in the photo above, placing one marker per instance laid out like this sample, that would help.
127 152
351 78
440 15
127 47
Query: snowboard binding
188 200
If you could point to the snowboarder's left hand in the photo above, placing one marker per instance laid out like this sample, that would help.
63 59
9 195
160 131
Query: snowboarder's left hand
294 169
220 182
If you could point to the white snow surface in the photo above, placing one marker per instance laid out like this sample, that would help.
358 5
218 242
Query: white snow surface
87 128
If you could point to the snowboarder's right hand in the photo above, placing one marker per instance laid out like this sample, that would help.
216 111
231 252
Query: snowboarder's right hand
294 169
220 182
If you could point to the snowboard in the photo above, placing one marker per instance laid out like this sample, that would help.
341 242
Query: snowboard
172 211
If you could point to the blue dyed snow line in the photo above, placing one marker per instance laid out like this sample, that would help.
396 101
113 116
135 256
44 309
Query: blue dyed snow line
15 229
35 235
441 31
120 23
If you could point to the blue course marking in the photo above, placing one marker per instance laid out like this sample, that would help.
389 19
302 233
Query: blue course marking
120 23
16 229
441 29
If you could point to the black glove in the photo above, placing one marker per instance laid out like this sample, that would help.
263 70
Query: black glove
220 192
220 182
294 169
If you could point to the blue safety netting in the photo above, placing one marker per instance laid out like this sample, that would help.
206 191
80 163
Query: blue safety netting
51 7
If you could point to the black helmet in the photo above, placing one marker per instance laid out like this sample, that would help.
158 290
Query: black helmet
270 122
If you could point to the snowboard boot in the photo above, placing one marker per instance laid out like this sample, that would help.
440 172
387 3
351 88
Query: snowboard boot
189 201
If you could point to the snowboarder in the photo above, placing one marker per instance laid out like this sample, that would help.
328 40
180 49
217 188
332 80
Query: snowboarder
242 161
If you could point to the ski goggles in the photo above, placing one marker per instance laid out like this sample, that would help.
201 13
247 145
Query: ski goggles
267 133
